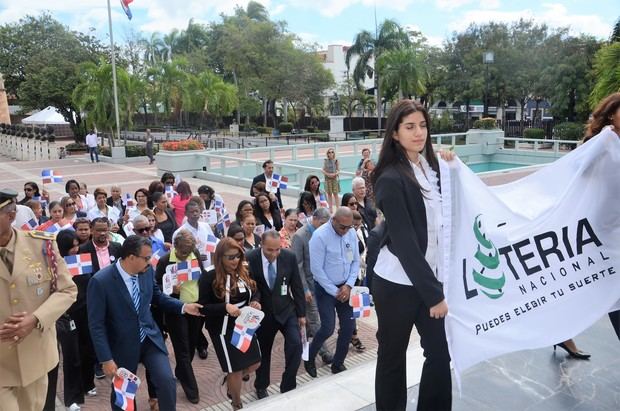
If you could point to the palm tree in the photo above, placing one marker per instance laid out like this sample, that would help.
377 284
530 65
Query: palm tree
606 72
402 69
615 34
153 48
93 95
170 80
256 11
170 42
369 48
365 103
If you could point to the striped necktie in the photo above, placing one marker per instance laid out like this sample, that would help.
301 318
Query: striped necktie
135 296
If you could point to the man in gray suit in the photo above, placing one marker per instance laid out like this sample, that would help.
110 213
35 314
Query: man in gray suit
300 246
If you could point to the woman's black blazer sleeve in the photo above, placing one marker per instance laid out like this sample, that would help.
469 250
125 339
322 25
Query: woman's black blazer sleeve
406 234
211 305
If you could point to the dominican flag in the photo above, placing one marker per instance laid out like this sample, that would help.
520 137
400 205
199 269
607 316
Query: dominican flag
155 258
211 243
188 270
128 201
30 225
242 337
226 219
361 305
41 201
170 193
219 205
279 181
51 176
125 392
323 201
125 6
79 264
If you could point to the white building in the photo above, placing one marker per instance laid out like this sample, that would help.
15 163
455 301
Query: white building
334 60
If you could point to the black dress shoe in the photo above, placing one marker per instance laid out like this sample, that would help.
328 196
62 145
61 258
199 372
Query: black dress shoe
310 368
262 393
338 368
193 400
203 353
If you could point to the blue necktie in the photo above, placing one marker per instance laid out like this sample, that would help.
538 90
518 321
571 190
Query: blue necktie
271 274
135 296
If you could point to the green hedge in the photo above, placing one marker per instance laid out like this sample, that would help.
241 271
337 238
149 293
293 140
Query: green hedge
76 147
130 151
285 127
568 131
485 124
264 130
538 133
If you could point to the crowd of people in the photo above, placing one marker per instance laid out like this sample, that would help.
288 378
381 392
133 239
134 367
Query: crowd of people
298 266
260 257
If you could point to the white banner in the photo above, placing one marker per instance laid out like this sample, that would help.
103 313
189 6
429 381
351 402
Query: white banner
534 262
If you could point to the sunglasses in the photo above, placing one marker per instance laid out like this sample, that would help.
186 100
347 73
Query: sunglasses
142 230
232 257
70 205
353 204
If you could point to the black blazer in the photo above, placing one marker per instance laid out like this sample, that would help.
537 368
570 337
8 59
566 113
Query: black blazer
113 248
261 178
272 303
277 221
406 231
368 213
110 202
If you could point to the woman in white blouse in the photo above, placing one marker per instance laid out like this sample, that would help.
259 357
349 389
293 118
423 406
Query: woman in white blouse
406 289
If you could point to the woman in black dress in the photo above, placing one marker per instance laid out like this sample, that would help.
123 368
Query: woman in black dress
164 216
223 291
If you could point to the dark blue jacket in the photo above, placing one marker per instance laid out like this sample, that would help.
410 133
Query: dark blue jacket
113 321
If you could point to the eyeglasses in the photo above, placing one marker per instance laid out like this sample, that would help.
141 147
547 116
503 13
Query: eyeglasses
232 257
142 230
145 258
345 227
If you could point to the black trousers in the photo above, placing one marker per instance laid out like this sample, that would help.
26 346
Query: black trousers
398 308
614 317
184 331
292 351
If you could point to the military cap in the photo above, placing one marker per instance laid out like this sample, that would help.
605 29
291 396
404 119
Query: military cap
7 196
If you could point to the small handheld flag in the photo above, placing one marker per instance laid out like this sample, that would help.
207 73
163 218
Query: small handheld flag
30 225
41 200
187 271
219 205
170 193
361 305
128 201
242 337
155 258
50 176
125 388
125 6
79 264
211 243
279 181
323 201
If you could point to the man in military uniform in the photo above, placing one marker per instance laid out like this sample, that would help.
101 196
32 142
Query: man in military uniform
35 289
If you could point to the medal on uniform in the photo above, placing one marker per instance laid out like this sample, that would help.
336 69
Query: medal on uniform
39 291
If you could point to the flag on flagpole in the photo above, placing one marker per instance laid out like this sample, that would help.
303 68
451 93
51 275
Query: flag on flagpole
29 225
126 9
211 243
279 181
79 264
50 176
323 201
361 305
125 388
242 337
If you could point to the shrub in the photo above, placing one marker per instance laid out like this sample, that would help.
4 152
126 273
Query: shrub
311 129
76 147
487 123
182 145
443 123
285 127
538 133
264 130
568 131
131 151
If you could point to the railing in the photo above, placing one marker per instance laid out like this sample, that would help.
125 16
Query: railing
533 144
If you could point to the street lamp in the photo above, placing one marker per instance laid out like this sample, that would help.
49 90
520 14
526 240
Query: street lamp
488 57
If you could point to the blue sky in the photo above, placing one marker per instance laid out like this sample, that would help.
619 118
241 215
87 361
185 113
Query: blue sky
324 21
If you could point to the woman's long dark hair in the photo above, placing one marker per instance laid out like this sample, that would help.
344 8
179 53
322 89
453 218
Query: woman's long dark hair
601 116
307 187
306 196
258 211
392 152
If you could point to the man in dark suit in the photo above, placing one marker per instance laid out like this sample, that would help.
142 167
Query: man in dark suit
122 328
116 200
103 252
282 299
266 178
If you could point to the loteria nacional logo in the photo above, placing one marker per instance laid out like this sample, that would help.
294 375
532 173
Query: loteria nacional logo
485 272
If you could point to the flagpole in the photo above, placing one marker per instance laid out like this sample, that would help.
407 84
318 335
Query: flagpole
118 127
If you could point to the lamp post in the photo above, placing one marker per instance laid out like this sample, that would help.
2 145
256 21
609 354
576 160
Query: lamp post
488 57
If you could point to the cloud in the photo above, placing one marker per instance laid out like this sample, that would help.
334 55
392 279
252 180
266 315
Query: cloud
555 15
449 5
333 8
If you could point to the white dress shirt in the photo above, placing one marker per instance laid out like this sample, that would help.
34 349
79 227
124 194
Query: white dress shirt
388 266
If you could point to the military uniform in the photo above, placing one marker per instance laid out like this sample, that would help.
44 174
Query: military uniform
33 279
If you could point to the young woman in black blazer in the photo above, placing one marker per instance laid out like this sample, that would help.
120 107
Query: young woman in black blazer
405 286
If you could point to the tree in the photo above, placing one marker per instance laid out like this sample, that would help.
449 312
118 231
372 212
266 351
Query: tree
607 68
365 103
369 49
94 95
403 70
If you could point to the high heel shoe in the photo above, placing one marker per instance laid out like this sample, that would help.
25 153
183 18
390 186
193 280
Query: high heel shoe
580 355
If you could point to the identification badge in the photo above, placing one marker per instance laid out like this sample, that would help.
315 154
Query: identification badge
283 289
72 325
241 286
